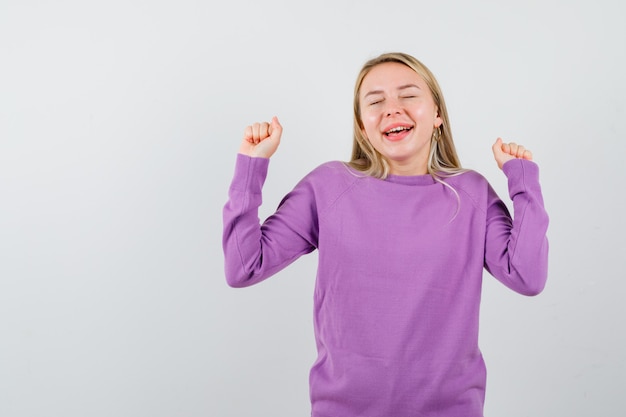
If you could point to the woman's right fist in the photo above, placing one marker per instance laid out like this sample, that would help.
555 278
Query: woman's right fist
260 140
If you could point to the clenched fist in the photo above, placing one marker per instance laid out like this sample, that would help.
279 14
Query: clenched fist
260 140
504 152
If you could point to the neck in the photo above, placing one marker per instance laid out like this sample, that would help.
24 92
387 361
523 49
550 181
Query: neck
396 168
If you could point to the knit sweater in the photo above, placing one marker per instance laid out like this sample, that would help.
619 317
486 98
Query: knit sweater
397 294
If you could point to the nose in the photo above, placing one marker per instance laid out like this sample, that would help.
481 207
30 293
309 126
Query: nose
392 107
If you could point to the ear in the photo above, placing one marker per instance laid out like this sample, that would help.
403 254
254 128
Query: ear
438 120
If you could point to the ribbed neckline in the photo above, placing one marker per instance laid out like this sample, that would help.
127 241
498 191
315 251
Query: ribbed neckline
425 179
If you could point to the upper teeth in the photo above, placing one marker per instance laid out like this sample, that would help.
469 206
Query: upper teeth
397 129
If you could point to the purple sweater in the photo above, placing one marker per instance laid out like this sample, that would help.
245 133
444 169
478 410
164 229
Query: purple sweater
398 287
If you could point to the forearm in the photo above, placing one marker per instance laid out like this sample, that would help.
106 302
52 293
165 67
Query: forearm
530 223
242 230
519 249
253 252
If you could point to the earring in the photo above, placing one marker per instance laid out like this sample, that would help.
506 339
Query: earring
436 134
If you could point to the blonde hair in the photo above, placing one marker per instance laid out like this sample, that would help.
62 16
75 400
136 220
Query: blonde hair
442 160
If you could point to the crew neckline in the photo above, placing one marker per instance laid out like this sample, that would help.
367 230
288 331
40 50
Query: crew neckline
425 179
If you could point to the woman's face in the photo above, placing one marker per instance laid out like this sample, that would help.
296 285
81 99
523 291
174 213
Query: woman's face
398 115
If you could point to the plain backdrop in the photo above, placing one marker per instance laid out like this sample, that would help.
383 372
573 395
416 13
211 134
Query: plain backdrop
119 125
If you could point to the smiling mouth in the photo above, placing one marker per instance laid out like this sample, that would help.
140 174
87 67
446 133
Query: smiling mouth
397 130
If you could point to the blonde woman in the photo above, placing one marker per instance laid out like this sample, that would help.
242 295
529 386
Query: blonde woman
403 234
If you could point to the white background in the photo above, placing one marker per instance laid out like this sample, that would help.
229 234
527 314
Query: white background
119 125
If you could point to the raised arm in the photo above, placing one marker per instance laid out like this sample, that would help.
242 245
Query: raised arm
253 252
517 249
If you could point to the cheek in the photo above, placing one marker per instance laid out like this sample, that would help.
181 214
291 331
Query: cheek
370 123
422 112
430 113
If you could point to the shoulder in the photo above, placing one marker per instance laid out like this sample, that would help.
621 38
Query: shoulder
332 173
472 185
327 182
468 179
331 168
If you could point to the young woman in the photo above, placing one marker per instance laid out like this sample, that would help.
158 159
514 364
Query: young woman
403 234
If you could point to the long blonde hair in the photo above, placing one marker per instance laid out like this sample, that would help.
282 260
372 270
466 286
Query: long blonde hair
442 160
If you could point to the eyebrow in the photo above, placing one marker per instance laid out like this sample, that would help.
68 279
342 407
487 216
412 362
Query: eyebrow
402 87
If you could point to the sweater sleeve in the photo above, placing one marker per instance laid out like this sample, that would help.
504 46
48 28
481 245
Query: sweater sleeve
516 250
253 252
